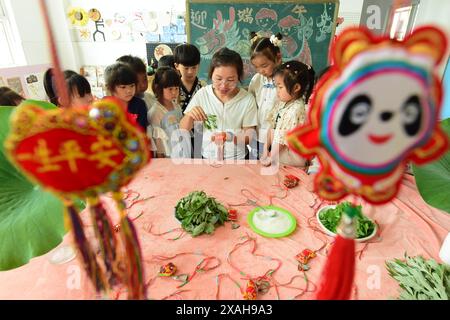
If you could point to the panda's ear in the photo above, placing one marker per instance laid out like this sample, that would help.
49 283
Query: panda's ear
348 44
428 40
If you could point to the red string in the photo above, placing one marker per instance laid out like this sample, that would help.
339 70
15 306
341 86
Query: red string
202 266
148 228
268 275
218 277
176 293
248 239
61 88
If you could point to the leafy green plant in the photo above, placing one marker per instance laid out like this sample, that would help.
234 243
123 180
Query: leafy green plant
420 279
31 219
199 213
211 122
433 179
330 218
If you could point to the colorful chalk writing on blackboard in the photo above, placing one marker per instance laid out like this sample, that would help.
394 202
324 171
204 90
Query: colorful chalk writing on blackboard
307 29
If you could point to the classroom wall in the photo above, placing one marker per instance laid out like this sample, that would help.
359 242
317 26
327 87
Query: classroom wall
435 12
30 26
350 10
130 42
75 54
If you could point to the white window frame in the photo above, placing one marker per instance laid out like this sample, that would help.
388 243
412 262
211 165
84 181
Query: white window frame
11 33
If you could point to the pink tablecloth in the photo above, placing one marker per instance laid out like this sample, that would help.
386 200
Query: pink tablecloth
407 224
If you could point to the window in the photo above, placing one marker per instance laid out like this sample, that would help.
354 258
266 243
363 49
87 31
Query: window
403 19
400 23
11 53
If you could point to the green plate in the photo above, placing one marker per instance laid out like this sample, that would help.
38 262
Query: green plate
286 215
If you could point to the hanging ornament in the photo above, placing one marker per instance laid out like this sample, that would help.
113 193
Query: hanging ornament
375 109
83 153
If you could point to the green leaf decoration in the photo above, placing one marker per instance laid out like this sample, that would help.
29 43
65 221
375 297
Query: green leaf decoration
420 279
31 219
199 213
433 179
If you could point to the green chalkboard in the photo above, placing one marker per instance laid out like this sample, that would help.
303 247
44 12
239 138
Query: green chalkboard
307 27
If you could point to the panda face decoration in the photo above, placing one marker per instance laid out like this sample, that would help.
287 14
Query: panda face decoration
376 123
375 109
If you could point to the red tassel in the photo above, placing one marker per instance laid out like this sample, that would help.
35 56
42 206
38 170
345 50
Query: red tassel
339 271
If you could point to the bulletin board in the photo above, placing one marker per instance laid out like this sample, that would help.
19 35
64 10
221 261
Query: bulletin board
307 27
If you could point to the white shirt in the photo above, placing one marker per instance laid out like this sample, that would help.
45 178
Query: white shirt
286 116
265 93
232 116
164 122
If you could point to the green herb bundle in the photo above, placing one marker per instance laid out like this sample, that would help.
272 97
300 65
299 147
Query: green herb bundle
420 279
330 219
211 122
199 213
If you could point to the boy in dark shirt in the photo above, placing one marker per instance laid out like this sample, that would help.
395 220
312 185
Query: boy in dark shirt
187 62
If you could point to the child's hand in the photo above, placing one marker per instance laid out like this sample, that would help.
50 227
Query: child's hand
197 114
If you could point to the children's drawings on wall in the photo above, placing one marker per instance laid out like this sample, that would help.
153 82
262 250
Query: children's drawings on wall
161 51
99 25
78 17
85 34
306 29
94 14
106 24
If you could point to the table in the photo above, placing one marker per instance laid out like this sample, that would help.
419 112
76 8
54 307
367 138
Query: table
407 224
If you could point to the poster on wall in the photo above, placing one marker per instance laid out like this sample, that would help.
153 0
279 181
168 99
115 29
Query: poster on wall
16 85
35 86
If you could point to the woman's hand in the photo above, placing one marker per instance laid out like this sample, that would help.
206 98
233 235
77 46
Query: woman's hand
219 137
266 160
197 114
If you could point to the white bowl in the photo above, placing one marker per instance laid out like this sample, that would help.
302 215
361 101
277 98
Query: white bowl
375 229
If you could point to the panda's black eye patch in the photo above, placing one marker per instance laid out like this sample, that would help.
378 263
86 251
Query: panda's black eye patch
412 115
355 115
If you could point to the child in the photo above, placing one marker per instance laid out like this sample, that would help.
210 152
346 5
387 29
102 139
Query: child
138 66
9 97
167 61
187 61
294 82
265 57
79 88
234 108
166 114
121 82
